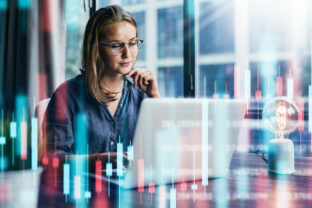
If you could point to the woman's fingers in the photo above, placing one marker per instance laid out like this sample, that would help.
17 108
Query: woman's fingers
135 78
131 72
137 75
140 79
146 77
146 80
125 160
114 160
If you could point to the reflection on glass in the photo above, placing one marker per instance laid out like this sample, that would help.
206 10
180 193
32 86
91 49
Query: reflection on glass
76 20
170 32
216 79
267 30
132 2
264 77
170 81
103 3
216 27
140 20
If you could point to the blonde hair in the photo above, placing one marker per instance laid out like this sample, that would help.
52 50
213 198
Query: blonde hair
92 63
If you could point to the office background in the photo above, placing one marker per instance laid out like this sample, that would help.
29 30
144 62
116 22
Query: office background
40 47
256 35
269 38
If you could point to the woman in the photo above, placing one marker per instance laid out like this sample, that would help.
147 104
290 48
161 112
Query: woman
108 93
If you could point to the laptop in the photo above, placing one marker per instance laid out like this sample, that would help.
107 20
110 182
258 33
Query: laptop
183 139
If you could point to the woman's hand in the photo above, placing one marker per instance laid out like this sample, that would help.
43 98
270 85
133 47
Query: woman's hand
146 80
104 158
113 159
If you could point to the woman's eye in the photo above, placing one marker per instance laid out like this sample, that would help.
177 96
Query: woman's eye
115 46
133 43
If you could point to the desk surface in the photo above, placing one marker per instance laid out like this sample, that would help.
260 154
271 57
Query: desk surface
247 185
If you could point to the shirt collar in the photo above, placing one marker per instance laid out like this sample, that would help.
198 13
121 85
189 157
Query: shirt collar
123 100
128 81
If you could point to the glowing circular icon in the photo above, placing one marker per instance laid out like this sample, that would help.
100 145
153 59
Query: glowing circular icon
280 115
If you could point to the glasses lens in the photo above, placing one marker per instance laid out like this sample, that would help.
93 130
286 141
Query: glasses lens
116 48
140 44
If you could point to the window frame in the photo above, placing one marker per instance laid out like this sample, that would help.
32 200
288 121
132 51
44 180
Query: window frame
192 60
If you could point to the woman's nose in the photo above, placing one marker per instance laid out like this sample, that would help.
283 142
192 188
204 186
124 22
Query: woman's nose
126 51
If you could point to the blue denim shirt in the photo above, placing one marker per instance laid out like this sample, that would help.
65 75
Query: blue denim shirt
104 129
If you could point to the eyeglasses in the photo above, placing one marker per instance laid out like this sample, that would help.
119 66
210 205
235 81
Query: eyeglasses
117 47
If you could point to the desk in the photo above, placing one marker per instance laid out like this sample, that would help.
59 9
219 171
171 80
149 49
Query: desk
247 185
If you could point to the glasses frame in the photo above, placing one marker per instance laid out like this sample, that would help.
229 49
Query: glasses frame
121 45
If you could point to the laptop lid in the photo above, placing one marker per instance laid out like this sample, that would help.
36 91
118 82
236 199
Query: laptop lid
183 139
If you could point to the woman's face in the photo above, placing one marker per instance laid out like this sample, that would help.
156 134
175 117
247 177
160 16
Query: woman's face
118 32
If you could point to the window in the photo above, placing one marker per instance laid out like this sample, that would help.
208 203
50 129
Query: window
76 19
215 52
170 32
216 33
160 25
170 51
171 81
217 79
132 2
280 43
261 36
140 19
254 35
